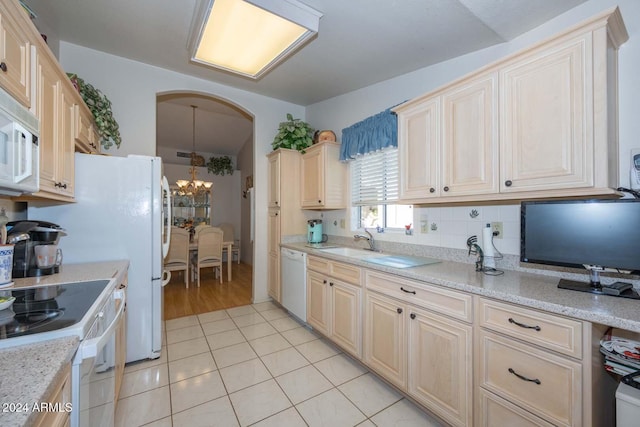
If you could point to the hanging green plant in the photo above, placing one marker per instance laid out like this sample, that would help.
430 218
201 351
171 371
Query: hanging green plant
100 107
220 165
294 134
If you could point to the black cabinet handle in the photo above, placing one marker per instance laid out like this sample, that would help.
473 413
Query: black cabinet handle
508 183
276 213
324 281
3 66
446 188
276 202
64 186
432 190
409 292
399 310
537 381
319 201
522 325
412 315
330 283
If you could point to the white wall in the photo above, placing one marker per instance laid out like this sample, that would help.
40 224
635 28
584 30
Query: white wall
132 87
345 110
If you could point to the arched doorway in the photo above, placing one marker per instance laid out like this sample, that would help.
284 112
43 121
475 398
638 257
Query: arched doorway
212 127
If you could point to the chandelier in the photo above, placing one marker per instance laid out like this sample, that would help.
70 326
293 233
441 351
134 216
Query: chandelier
195 186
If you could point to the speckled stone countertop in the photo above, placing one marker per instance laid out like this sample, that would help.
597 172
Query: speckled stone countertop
527 289
28 372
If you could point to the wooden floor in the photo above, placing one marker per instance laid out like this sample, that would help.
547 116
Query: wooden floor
211 295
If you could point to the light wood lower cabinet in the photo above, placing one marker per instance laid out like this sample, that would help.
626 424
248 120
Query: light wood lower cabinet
425 354
496 411
334 309
60 398
121 353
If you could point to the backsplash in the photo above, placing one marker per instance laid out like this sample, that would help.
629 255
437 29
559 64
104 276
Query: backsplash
14 210
444 227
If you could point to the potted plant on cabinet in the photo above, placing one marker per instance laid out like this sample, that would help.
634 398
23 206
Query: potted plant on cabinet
294 134
100 106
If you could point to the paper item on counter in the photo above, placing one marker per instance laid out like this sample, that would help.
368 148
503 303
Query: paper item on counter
622 354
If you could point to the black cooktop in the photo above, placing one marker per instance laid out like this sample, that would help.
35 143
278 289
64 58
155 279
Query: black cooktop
47 308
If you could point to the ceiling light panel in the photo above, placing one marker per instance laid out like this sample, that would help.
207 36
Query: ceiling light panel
251 37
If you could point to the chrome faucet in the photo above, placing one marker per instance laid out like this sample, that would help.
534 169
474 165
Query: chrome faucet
372 245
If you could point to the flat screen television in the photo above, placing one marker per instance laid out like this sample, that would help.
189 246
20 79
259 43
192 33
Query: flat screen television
599 235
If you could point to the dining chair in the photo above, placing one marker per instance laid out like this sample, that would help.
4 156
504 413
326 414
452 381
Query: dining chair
178 257
229 236
209 251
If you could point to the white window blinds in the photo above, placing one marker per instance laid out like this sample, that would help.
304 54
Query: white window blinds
374 178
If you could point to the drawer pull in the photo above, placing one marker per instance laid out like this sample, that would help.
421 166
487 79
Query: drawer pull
522 325
409 292
537 381
399 310
412 315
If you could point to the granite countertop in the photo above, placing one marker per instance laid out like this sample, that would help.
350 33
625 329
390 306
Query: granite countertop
527 289
29 372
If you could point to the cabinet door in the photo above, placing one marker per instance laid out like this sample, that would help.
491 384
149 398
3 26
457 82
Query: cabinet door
440 361
15 57
273 236
318 302
419 152
546 137
346 320
273 285
66 162
312 177
121 353
85 134
470 138
274 181
385 343
48 89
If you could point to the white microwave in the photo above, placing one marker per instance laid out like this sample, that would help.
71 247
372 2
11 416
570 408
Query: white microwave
19 149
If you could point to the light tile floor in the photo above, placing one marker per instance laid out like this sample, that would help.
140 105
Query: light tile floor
256 366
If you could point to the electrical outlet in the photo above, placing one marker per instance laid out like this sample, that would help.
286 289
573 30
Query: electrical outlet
342 224
497 228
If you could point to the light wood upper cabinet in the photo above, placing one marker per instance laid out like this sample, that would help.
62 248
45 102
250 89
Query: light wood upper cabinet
274 180
86 136
56 113
419 129
15 54
470 138
546 100
324 177
541 123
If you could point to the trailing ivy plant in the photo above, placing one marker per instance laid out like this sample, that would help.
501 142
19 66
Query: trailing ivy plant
220 165
100 106
294 134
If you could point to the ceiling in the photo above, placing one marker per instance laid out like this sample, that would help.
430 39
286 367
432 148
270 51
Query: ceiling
360 42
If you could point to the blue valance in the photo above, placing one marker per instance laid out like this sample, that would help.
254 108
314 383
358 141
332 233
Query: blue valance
371 134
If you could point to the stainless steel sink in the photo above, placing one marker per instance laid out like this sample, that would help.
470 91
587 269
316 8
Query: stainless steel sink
351 252
400 261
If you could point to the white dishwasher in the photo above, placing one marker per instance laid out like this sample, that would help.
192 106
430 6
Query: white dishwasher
294 282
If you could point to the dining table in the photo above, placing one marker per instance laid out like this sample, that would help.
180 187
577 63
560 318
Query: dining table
193 248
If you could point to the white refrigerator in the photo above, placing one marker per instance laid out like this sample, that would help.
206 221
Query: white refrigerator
122 211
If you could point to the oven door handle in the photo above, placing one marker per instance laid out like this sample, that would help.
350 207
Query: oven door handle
90 348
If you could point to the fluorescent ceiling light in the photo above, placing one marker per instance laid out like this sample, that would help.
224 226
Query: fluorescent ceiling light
249 37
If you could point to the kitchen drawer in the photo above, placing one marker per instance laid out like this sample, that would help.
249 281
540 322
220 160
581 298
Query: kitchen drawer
546 330
547 385
494 411
345 272
321 265
445 301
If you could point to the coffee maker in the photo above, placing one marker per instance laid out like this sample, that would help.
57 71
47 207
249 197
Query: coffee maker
26 236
